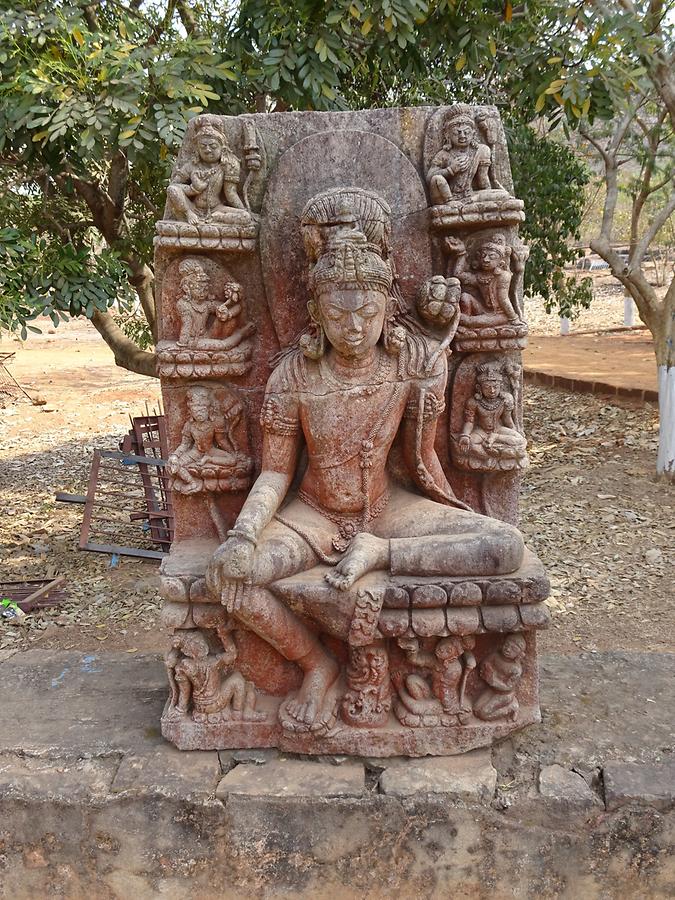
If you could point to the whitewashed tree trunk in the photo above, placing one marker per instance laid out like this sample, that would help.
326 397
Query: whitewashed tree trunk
665 461
628 311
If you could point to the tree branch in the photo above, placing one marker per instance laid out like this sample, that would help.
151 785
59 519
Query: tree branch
187 17
142 278
127 354
117 181
655 226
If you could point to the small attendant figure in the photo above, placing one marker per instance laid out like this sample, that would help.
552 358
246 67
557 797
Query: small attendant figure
490 433
208 442
501 670
460 169
205 682
486 285
207 186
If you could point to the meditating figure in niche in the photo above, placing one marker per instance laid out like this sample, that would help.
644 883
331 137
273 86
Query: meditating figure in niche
209 446
487 297
206 188
462 167
343 394
490 432
501 670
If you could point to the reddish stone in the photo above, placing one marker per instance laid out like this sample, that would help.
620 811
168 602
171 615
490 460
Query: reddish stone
340 594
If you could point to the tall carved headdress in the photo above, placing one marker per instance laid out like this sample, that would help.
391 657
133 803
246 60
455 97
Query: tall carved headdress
332 213
458 114
350 261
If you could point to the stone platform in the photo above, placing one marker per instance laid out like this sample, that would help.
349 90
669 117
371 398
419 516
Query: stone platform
93 802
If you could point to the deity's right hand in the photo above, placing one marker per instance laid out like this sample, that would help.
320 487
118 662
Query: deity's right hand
459 165
230 571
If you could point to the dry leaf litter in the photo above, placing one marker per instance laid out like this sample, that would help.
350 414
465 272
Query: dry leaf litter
591 509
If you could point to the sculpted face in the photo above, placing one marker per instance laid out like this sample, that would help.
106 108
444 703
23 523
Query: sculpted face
196 285
209 148
352 319
490 388
461 134
489 259
198 407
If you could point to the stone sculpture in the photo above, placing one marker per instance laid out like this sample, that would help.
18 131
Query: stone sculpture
206 206
207 186
461 176
212 341
491 438
204 684
213 454
501 670
490 316
364 588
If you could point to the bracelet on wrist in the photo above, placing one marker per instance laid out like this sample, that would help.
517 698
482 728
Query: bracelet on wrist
241 533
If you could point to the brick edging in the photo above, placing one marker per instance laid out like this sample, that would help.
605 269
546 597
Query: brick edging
583 386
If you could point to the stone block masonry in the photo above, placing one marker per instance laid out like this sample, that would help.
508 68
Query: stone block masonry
93 803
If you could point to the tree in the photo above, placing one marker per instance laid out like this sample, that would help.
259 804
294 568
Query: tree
94 99
630 47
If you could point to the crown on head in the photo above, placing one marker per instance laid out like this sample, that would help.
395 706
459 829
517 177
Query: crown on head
458 114
489 372
369 212
352 262
209 126
189 267
498 243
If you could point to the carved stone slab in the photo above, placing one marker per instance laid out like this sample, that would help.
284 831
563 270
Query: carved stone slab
341 322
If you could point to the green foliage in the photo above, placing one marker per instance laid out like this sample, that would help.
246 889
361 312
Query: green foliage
551 180
42 277
94 101
136 328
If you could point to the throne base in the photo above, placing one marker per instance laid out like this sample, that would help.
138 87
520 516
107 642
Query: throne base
391 739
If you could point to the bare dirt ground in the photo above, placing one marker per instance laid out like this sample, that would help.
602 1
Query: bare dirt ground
590 508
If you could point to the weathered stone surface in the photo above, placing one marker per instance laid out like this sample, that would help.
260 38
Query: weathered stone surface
66 702
165 770
66 780
377 250
143 844
635 782
468 777
564 786
294 778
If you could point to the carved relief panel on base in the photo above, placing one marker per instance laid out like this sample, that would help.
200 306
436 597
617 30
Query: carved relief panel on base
346 401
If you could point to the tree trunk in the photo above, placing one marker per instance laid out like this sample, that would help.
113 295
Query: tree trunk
664 344
127 354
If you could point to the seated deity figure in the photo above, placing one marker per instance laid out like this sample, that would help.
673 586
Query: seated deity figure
209 445
338 399
490 431
462 168
206 187
197 306
487 296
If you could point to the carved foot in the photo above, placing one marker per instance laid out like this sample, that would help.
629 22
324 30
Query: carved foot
314 707
366 552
